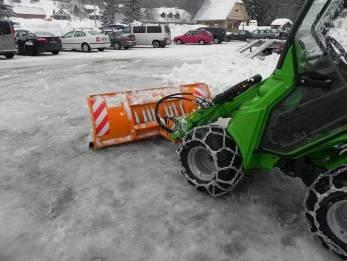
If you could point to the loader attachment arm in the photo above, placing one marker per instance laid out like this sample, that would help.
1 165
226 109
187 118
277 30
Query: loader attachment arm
222 106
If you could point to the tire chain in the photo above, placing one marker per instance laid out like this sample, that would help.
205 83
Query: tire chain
214 182
314 228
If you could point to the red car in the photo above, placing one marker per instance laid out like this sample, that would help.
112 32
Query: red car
195 37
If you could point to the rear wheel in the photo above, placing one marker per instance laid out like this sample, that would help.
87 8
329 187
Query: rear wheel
55 52
326 210
117 46
210 160
156 44
85 47
202 42
9 55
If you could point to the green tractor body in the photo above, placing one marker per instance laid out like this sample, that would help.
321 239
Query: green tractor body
270 121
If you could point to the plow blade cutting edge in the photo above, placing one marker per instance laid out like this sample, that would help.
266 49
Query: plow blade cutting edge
123 117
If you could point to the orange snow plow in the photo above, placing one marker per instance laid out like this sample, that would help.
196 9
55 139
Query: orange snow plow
130 116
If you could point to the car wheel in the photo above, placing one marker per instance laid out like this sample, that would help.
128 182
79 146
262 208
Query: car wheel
217 41
127 48
179 42
55 52
211 160
117 46
156 44
85 47
101 49
9 55
201 42
326 208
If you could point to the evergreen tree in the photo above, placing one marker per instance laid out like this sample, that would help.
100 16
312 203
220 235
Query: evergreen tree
5 10
111 11
132 10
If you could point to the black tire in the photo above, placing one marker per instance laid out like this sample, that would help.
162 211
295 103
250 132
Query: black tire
156 44
85 47
55 52
326 209
217 40
101 49
117 46
9 55
221 167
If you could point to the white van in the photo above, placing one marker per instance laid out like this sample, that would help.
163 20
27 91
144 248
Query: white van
7 41
156 35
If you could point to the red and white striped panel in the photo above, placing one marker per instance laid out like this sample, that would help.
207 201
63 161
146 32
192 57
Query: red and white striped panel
100 115
201 91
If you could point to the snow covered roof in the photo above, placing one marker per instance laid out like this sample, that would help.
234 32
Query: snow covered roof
28 10
281 21
212 10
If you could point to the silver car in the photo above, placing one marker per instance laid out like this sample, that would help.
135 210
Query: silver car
7 39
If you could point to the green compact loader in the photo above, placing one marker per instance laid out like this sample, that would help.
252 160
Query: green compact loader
295 120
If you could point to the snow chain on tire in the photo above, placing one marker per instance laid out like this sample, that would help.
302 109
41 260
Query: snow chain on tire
227 161
326 186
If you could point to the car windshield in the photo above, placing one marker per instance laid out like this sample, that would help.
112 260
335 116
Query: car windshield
94 33
44 34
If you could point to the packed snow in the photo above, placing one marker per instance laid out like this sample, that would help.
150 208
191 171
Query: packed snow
62 201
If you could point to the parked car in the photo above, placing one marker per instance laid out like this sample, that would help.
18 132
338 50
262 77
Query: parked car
219 34
34 43
242 35
264 34
7 39
195 37
120 40
158 36
85 40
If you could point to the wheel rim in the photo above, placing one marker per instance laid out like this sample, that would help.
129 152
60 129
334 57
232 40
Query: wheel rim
156 44
85 48
337 220
216 41
201 163
202 42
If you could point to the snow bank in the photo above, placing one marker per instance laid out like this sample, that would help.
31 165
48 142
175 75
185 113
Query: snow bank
57 27
222 71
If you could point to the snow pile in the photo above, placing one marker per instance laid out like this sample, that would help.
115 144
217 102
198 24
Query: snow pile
180 29
281 22
57 27
222 71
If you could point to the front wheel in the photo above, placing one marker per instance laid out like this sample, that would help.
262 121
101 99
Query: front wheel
9 55
117 46
201 42
326 210
179 41
211 160
55 52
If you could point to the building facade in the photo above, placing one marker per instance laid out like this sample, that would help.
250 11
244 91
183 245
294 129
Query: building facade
227 14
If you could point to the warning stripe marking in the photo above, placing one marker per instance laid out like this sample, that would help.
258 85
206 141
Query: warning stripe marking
201 92
100 115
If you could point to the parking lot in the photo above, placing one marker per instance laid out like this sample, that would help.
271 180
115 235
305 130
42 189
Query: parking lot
62 201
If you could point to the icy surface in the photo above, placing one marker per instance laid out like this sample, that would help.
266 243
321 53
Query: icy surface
62 201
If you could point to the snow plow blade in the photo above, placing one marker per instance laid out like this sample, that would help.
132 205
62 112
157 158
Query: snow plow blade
124 117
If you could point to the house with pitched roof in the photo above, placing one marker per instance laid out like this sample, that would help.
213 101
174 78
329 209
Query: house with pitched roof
227 14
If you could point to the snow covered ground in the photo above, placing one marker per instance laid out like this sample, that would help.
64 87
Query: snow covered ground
62 201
